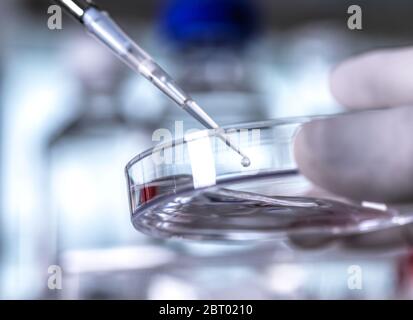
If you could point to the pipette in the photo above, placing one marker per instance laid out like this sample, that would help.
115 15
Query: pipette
101 26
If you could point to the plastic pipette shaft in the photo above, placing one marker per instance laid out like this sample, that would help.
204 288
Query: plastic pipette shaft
100 25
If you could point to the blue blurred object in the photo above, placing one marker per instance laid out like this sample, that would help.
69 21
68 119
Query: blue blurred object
194 22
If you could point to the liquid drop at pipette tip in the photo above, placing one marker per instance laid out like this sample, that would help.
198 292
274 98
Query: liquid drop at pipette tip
246 162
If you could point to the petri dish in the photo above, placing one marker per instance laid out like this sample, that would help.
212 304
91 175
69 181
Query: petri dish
198 188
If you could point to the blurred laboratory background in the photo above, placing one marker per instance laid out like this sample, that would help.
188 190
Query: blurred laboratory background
72 116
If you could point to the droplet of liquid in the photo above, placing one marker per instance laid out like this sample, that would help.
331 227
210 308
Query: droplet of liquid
246 162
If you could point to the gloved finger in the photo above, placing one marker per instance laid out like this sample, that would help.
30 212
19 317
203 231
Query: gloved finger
363 156
377 79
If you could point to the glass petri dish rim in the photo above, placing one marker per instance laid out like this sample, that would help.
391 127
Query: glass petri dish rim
246 125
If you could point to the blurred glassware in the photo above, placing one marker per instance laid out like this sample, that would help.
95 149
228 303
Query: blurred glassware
87 195
209 43
32 90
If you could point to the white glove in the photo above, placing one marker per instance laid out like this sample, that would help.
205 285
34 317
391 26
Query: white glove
366 156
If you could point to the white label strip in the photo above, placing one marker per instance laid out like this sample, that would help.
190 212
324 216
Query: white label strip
202 160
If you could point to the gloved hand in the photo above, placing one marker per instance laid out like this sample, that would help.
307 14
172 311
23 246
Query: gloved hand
367 156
